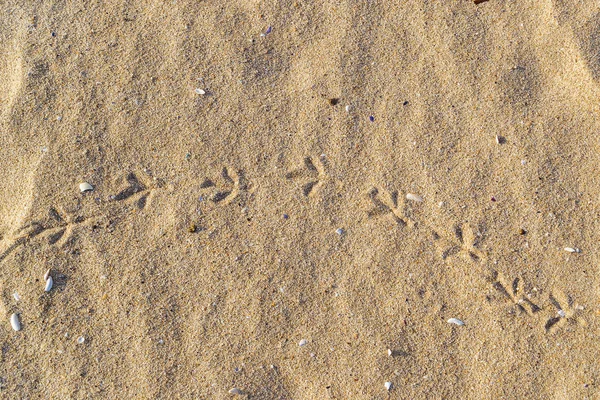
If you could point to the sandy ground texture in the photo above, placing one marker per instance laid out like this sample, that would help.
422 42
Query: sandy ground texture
249 225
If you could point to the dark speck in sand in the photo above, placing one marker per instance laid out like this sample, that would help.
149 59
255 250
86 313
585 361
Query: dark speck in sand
372 118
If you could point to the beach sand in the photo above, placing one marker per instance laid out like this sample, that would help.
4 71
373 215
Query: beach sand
249 225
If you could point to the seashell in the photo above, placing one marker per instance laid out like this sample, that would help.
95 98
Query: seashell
388 385
414 197
49 283
46 275
303 342
200 91
85 187
235 391
572 250
456 321
14 322
80 339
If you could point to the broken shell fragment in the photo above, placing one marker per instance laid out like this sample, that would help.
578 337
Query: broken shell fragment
235 391
49 283
572 250
14 322
414 197
388 385
456 321
85 187
46 275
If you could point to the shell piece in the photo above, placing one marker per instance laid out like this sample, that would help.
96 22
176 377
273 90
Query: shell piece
46 275
456 321
80 339
200 91
235 391
85 187
16 296
49 283
388 385
303 342
14 322
414 197
572 250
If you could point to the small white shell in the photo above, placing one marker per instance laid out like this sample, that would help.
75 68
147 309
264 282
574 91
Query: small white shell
80 339
14 322
414 197
85 187
303 342
200 91
562 313
235 391
572 250
49 283
339 231
390 352
388 385
16 296
46 275
456 321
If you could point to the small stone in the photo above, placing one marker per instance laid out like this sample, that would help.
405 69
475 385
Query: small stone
562 314
80 339
414 197
15 323
388 385
192 228
348 108
200 91
302 343
390 352
85 187
235 391
339 231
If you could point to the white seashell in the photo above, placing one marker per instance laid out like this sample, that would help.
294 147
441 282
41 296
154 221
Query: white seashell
572 250
49 283
303 342
562 313
200 91
16 296
414 197
235 391
456 321
339 231
388 385
14 322
348 107
46 275
85 187
390 352
80 339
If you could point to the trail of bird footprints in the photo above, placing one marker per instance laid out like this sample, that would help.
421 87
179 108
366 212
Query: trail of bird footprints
59 227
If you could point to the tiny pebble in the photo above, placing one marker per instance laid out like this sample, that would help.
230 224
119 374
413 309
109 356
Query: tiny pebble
303 342
85 187
80 339
414 197
456 321
199 91
235 391
14 322
49 283
388 385
339 231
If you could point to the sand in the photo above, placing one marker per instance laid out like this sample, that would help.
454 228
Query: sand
230 224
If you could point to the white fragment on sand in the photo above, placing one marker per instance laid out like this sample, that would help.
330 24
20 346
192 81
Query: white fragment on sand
14 322
456 321
562 313
348 108
390 352
85 187
46 275
441 204
388 385
16 296
80 339
235 391
303 342
200 91
339 231
414 197
572 250
498 140
49 283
